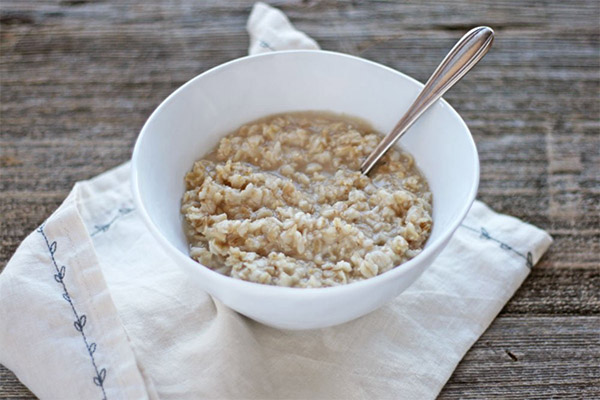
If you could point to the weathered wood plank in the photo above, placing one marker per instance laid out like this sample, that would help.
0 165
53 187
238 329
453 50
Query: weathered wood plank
535 358
11 388
79 77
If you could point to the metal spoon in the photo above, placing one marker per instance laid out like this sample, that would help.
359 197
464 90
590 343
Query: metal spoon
464 55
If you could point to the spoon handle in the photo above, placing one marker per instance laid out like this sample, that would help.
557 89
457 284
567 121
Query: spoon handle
464 55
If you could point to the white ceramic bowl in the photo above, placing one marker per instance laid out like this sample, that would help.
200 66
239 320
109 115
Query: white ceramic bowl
190 122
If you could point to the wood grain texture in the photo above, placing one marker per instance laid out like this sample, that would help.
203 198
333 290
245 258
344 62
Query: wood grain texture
78 78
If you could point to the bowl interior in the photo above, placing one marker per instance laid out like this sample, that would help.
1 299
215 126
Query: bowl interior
192 120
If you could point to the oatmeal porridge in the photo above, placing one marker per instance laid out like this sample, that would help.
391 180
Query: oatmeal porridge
281 201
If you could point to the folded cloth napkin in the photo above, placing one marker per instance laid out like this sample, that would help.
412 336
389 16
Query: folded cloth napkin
90 308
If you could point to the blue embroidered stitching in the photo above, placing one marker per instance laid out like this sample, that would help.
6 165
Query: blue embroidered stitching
265 45
103 228
484 234
80 319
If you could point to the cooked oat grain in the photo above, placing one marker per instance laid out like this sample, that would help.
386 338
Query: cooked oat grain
282 202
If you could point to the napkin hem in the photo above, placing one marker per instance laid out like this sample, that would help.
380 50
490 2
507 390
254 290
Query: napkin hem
84 289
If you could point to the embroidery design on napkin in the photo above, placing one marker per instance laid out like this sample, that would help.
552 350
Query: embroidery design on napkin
80 319
103 228
484 234
265 45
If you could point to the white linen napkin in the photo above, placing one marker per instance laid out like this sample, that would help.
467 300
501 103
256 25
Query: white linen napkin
91 308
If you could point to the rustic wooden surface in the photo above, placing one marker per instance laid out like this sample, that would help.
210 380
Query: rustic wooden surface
78 79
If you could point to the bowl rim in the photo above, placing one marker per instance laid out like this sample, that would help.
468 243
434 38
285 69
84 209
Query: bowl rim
271 290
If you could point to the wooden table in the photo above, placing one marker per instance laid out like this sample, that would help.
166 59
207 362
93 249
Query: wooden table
79 77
